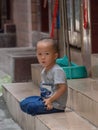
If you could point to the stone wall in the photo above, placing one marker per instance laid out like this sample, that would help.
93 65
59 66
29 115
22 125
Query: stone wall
22 20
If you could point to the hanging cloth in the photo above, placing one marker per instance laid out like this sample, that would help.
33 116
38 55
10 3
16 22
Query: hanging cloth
85 14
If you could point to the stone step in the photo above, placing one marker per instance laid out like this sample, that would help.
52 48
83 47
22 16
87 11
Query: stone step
83 98
13 93
35 73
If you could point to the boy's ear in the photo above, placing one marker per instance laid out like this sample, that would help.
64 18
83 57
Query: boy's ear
56 55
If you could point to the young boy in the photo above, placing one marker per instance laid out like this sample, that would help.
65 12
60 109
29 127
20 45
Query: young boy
53 87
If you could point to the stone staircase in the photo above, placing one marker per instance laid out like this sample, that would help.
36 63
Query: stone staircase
69 120
83 98
82 105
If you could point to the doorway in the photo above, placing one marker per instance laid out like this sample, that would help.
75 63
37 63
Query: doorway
44 16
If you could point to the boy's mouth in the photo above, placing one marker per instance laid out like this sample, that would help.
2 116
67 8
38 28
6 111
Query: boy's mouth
43 62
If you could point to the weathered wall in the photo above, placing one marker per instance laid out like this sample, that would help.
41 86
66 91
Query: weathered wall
7 40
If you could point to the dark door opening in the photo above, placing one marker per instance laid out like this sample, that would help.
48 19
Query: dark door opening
44 17
94 26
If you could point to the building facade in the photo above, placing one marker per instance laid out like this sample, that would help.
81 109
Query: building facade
73 24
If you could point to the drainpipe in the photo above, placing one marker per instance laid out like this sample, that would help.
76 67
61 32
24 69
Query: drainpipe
67 34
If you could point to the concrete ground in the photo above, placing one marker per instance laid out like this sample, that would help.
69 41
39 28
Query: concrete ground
6 121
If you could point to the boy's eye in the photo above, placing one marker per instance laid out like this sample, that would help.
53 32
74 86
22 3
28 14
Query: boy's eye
47 53
39 54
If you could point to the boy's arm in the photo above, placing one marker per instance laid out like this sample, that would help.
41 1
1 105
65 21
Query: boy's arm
60 91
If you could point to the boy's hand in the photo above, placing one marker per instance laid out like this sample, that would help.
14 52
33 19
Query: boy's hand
60 91
48 104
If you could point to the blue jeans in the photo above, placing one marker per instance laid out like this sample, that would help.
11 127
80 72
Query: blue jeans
34 105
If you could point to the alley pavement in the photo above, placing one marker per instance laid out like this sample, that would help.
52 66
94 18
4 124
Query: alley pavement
6 121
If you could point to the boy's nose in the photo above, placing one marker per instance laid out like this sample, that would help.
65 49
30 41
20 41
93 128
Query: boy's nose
43 56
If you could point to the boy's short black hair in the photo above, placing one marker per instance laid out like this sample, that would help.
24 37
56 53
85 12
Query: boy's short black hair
54 42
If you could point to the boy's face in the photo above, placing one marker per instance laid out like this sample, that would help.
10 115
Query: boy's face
46 54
